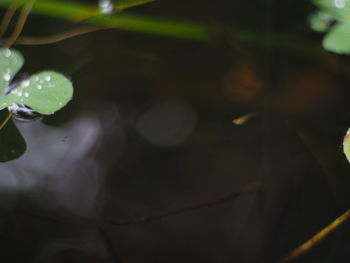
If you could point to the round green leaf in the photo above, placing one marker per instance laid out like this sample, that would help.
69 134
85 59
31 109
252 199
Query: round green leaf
45 92
10 63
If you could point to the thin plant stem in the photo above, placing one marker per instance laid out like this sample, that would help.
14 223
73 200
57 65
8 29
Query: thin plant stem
8 117
187 209
20 23
60 36
122 5
8 16
316 239
71 10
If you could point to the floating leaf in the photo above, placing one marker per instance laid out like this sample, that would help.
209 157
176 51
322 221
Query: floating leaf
12 144
45 92
10 63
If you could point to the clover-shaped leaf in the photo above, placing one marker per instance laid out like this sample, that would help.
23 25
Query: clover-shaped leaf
45 92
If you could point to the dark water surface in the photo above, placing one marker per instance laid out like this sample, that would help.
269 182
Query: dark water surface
150 131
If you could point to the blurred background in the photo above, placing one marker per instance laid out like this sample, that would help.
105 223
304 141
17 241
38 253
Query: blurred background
161 123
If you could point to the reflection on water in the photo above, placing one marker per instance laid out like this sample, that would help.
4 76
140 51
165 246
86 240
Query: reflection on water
59 169
168 123
172 144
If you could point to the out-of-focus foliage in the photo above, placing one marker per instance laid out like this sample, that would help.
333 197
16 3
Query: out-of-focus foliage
346 145
336 12
123 5
320 21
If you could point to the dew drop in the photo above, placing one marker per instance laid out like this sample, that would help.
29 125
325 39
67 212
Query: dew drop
26 94
48 78
39 87
106 6
25 83
339 3
6 77
7 53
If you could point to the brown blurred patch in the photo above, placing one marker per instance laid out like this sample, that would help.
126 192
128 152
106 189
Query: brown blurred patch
243 84
306 90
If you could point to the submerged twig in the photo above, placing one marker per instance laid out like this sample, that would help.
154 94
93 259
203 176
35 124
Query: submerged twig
60 36
8 117
109 246
219 201
316 239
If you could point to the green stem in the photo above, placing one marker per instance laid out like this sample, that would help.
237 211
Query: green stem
122 5
129 22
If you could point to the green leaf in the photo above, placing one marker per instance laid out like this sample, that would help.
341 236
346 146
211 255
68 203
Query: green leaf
45 92
338 38
10 63
12 144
